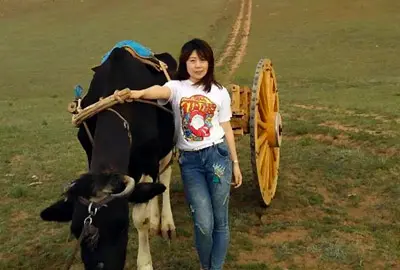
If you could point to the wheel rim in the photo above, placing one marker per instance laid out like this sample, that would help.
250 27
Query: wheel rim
265 130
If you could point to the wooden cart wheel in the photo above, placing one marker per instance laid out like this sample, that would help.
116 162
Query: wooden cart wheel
265 130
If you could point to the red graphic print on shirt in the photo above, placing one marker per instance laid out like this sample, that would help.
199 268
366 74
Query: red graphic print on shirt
197 112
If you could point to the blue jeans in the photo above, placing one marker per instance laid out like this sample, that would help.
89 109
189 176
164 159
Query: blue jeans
206 176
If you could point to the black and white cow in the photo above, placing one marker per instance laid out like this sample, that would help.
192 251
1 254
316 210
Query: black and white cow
132 142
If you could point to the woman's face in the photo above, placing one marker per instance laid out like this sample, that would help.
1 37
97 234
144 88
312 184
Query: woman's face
196 67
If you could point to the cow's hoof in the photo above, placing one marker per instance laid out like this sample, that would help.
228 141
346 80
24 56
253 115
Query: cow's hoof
168 234
168 228
145 267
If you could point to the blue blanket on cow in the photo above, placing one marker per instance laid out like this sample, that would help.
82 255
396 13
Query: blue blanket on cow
137 47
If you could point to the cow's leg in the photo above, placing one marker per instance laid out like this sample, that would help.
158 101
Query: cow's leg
154 216
167 220
141 221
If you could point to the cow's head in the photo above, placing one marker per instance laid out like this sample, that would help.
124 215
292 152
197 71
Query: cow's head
97 206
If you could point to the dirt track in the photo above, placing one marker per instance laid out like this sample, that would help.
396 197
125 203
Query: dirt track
235 49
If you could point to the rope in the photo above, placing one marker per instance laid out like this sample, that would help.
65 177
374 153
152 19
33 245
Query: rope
71 259
164 69
155 104
147 61
126 124
88 132
121 96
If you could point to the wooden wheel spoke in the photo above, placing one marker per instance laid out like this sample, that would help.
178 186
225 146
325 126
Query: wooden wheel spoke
262 140
263 102
274 154
272 103
275 95
264 172
263 113
271 94
261 124
261 121
262 156
271 169
265 90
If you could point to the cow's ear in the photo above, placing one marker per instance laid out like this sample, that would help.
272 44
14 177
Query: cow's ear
144 192
60 211
95 68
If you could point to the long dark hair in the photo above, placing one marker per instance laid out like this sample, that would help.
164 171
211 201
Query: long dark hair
205 52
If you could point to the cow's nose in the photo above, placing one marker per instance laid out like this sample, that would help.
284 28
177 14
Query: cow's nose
100 265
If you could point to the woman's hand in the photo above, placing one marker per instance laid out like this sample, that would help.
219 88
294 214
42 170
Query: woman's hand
136 94
237 175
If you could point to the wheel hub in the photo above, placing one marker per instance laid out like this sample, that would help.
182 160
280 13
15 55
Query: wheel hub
274 129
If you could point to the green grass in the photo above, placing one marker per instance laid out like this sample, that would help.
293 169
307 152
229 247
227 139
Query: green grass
337 65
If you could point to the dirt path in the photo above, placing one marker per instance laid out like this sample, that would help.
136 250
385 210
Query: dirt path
235 31
238 40
243 42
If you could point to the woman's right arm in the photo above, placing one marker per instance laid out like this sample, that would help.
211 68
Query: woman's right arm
153 92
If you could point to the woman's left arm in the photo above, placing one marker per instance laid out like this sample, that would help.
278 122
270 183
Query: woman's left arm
230 140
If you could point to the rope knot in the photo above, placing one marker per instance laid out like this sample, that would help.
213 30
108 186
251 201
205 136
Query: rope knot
118 96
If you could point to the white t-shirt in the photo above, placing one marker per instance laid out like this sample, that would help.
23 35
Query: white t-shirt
198 114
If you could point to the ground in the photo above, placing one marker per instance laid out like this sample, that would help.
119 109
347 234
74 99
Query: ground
337 66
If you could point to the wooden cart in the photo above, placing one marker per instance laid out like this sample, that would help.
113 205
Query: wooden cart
256 111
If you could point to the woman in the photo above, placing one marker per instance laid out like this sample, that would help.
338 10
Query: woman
202 109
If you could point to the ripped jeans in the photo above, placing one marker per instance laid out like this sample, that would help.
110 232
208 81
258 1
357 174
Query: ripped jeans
206 176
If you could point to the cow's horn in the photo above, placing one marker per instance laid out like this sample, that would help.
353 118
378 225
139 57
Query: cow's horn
130 185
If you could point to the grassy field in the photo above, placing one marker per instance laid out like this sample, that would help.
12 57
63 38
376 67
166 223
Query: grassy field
337 65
